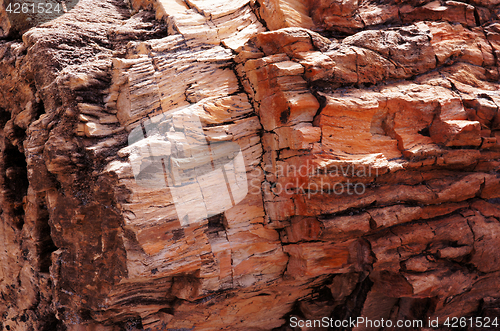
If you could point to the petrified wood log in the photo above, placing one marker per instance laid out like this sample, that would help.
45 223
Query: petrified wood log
239 165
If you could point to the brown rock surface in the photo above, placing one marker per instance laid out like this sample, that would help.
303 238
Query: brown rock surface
236 165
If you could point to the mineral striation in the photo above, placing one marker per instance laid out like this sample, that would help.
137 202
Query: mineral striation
307 159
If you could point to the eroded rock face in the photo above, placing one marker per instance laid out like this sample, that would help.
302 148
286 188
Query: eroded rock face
368 134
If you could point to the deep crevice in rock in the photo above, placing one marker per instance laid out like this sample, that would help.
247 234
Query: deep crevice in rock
45 244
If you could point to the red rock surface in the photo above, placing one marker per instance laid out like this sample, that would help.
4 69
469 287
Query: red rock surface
370 135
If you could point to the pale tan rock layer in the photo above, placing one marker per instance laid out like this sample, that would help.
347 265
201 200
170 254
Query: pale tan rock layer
370 134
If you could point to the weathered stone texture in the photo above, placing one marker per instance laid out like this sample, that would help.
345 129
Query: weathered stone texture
369 133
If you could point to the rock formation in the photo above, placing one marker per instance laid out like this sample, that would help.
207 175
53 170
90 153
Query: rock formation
356 146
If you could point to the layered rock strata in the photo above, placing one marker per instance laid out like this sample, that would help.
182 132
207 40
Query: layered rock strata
356 146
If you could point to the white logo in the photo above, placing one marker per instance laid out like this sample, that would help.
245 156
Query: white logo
205 178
